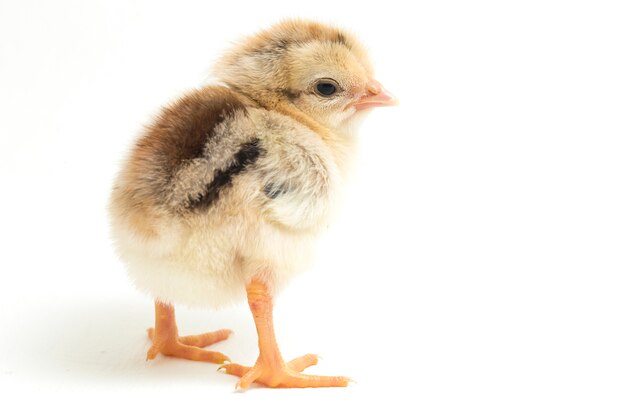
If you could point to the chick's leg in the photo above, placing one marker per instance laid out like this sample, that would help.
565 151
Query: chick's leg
165 339
270 368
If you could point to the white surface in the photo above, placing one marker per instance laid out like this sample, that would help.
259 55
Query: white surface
478 268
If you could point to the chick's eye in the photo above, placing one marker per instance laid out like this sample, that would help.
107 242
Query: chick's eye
326 88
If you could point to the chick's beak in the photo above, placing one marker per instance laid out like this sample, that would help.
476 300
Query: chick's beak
377 96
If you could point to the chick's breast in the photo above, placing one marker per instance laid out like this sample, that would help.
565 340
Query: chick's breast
217 190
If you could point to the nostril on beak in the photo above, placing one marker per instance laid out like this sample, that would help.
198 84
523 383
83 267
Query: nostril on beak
374 87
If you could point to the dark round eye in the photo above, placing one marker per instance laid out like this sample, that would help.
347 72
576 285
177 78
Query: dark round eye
326 88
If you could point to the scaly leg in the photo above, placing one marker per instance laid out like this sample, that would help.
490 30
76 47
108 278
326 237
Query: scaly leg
270 369
165 339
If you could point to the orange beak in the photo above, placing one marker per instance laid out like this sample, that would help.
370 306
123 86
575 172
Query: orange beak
377 97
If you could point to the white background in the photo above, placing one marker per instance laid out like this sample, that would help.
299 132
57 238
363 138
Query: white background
478 267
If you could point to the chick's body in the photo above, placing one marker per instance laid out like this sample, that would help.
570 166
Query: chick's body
249 197
226 190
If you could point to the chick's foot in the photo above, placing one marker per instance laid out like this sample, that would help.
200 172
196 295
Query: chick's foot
282 375
270 369
165 339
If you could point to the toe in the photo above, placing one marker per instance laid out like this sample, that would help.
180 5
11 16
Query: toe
206 339
248 378
303 362
152 353
195 354
234 369
314 381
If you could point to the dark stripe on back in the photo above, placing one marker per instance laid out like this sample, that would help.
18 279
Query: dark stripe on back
178 134
223 178
181 131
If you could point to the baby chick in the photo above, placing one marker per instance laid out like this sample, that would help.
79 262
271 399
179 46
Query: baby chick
225 192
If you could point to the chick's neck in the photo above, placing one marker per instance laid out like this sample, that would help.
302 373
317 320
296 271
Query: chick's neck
275 102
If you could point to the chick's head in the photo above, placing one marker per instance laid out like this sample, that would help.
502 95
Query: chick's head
322 71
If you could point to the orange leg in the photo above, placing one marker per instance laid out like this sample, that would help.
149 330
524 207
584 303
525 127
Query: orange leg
165 339
270 369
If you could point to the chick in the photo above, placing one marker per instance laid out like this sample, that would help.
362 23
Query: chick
224 193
